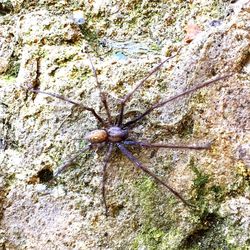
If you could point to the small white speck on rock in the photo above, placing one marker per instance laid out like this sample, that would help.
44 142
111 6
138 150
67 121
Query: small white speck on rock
58 192
40 188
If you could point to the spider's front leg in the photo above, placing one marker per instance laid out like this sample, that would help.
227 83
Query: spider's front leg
63 98
126 98
103 95
184 93
139 165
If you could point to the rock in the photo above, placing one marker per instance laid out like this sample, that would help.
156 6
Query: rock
41 132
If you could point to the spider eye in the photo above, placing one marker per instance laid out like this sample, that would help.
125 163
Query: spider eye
97 136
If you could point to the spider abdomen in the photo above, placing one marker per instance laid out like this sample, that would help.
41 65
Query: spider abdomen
97 136
116 134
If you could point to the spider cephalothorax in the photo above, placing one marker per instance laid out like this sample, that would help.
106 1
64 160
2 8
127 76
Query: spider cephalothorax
114 132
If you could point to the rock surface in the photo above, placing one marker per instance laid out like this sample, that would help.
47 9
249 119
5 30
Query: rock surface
44 45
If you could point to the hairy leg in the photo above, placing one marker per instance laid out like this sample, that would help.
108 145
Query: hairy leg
163 145
103 95
127 97
72 102
104 177
162 103
69 162
138 164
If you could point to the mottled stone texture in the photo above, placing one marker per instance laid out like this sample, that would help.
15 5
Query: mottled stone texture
43 44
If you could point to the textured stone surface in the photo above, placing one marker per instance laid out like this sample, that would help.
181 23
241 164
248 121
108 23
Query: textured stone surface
125 40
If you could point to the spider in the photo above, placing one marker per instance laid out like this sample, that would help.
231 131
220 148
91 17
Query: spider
114 132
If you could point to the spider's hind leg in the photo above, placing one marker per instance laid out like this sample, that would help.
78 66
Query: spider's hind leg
71 161
139 165
146 144
104 177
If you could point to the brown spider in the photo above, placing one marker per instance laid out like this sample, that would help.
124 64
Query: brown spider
114 132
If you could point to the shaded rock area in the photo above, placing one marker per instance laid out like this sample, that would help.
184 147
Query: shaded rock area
47 45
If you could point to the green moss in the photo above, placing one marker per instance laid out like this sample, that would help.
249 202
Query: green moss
199 98
62 61
200 180
241 183
186 127
154 233
8 78
155 47
10 180
199 191
150 238
79 74
90 34
146 188
150 234
13 70
155 238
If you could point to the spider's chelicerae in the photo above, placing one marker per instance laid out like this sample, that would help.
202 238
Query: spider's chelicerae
114 132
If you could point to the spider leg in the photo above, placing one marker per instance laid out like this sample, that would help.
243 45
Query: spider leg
72 102
104 177
103 95
138 164
163 145
162 103
69 162
127 97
